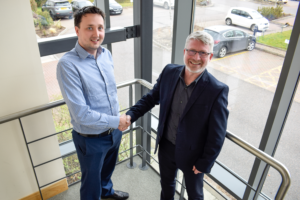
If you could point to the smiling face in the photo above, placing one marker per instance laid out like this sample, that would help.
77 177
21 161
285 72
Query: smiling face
91 32
196 64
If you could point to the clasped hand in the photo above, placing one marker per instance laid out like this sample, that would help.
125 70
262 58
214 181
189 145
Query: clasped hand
125 121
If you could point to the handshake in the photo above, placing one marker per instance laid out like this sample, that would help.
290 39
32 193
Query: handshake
125 121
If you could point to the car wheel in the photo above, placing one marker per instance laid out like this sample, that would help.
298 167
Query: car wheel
228 21
222 52
252 27
166 5
42 10
251 46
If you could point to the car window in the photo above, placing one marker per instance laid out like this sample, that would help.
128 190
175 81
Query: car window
256 15
234 11
64 3
244 14
239 33
214 34
85 3
228 34
238 12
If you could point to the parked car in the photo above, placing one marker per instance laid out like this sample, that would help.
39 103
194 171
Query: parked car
229 39
58 9
165 3
246 17
78 4
115 8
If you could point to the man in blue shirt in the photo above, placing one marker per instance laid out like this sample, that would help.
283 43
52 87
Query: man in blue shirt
86 79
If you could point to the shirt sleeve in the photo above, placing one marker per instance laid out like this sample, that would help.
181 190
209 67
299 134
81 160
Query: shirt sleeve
72 91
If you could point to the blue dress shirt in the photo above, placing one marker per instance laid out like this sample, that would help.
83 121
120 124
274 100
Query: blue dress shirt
88 86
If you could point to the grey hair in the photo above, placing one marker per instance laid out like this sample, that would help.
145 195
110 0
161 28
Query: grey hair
202 36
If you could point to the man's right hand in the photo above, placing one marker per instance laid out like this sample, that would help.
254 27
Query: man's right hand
124 122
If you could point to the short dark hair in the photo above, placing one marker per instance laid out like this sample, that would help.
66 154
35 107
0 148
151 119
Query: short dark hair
87 10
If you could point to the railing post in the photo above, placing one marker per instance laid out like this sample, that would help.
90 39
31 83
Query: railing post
131 164
144 165
36 178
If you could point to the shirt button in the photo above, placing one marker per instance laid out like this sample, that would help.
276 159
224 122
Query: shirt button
180 101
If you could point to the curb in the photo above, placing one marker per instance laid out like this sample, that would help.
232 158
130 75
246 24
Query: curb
61 33
268 51
271 46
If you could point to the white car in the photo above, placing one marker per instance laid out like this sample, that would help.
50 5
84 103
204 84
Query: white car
246 17
165 3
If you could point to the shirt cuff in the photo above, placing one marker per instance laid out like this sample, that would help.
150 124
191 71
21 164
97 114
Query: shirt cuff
113 121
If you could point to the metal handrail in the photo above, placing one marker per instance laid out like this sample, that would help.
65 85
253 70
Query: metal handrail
286 178
54 104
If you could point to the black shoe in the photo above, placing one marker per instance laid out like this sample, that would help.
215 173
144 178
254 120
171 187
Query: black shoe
117 195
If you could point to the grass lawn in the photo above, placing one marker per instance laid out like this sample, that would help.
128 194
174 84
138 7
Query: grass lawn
39 9
126 5
275 39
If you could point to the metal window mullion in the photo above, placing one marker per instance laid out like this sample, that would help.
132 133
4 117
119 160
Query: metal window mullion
143 19
104 5
183 25
283 99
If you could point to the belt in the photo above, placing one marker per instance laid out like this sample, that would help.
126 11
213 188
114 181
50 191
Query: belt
98 135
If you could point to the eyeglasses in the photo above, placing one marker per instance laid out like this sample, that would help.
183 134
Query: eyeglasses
201 53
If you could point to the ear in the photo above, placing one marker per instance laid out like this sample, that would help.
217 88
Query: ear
77 30
184 51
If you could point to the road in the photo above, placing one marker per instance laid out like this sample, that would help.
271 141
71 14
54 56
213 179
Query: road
251 76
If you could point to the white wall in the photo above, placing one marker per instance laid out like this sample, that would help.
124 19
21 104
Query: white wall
22 86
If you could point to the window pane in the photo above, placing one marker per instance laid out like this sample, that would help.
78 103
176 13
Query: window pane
287 153
251 74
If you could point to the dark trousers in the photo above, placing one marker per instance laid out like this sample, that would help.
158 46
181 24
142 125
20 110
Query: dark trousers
97 158
168 171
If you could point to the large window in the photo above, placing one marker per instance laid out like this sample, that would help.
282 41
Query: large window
252 75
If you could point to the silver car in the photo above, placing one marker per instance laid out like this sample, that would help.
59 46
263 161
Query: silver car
58 9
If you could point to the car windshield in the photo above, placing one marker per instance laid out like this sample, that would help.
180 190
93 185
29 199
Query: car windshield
85 3
214 34
256 15
65 3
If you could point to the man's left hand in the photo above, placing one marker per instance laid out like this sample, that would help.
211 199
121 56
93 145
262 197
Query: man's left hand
195 170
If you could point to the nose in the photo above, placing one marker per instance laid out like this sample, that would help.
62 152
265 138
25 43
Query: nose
197 56
96 32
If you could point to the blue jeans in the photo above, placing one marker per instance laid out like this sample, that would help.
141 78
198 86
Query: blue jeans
97 158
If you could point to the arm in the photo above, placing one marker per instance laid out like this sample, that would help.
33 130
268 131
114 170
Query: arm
72 91
147 102
217 125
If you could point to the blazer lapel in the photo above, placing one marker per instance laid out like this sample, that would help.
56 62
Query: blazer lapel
173 82
196 93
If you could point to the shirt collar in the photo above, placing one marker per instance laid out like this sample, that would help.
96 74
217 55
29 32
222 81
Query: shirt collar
83 54
181 75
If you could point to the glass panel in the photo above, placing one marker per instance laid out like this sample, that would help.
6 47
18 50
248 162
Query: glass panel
251 73
162 36
121 13
287 153
49 65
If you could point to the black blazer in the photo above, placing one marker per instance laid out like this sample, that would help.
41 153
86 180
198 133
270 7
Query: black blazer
202 125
